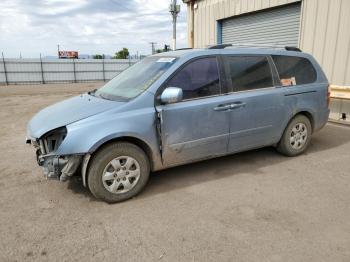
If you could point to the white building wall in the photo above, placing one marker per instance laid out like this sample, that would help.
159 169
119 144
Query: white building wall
325 33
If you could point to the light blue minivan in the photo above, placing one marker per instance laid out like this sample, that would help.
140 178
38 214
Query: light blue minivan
179 107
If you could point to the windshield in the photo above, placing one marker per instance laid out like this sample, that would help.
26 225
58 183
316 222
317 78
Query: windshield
136 79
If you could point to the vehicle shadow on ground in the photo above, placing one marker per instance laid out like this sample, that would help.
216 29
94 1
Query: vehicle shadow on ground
251 162
75 184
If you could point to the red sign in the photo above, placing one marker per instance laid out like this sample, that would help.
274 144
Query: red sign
68 54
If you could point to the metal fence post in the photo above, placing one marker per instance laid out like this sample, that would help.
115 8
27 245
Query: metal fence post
42 70
5 71
75 75
103 68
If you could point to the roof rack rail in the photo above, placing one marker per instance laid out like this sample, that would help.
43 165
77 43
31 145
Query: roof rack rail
292 48
185 48
221 46
288 48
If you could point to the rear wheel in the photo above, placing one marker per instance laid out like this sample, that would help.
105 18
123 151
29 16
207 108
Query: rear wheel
296 136
118 172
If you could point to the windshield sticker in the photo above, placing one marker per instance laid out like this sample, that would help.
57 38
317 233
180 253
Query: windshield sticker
166 60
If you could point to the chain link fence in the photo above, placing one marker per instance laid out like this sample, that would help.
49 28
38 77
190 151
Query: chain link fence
45 71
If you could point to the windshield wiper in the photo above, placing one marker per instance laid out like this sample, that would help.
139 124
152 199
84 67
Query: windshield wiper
112 97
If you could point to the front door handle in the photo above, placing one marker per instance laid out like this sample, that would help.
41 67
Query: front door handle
222 107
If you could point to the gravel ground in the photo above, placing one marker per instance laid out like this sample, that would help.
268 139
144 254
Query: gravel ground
254 206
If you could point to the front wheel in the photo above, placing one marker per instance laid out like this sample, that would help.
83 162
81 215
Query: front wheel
118 172
296 136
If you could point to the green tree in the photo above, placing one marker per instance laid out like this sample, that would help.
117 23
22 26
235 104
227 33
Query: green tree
122 54
97 56
161 50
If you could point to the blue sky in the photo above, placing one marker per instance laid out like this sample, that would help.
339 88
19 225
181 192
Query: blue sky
31 27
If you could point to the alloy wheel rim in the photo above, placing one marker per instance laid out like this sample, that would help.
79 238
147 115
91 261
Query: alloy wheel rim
121 174
298 136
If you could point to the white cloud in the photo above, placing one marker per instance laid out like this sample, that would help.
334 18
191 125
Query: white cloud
88 26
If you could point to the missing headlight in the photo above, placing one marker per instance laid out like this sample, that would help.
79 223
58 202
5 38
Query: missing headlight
52 140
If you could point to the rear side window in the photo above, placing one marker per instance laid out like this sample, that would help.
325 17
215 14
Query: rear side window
294 70
199 78
248 72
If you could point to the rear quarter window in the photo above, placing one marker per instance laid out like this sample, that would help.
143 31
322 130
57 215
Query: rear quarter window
294 70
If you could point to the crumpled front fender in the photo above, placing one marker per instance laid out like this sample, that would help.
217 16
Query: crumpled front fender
87 135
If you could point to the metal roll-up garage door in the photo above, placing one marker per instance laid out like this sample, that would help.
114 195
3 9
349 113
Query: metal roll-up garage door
278 26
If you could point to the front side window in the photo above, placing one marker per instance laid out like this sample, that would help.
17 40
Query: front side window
294 70
136 79
199 78
248 72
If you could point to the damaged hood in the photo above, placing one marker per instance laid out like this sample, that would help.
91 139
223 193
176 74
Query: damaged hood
67 112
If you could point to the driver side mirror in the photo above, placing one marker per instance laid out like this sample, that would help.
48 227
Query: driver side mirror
171 95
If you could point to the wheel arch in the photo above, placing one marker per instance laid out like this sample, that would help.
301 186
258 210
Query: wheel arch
309 115
131 139
282 146
305 113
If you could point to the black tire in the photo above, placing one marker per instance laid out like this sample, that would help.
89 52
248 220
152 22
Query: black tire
100 161
285 147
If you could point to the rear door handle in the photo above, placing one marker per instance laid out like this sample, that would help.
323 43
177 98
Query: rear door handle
222 107
237 105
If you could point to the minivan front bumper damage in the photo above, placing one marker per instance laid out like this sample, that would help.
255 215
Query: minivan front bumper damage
55 166
59 167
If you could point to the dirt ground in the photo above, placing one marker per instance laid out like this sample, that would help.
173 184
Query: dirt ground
254 206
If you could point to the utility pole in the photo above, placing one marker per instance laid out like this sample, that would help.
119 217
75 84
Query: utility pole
174 9
153 44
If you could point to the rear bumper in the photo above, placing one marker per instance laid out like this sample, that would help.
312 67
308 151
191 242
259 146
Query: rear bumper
321 120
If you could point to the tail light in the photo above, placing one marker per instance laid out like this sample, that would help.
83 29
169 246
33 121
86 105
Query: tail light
328 96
